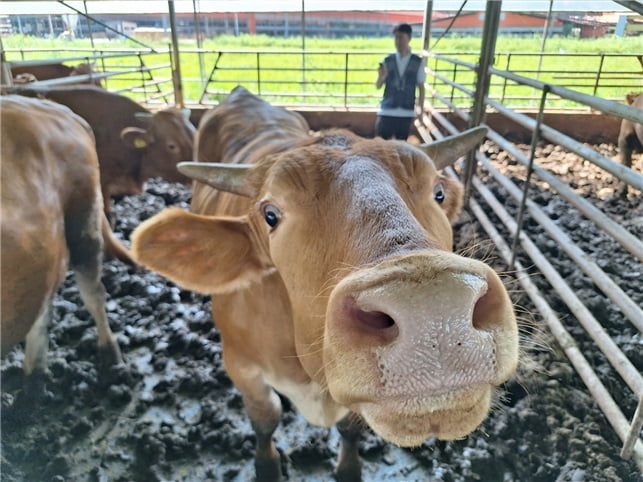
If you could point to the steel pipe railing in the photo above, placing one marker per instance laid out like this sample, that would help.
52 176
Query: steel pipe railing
629 434
591 269
630 242
626 432
632 177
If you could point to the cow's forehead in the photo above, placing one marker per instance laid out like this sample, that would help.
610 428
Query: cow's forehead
344 161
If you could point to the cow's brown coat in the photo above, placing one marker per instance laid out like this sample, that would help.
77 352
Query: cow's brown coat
132 143
326 305
52 219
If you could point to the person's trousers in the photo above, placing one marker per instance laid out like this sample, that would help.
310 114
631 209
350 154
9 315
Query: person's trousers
388 127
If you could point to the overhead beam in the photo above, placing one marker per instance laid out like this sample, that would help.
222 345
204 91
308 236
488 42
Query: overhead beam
632 5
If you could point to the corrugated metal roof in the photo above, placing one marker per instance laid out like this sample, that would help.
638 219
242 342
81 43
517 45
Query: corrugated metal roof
133 6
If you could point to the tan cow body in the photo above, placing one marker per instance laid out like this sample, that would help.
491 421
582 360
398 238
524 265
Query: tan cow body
132 143
329 260
630 137
33 73
52 219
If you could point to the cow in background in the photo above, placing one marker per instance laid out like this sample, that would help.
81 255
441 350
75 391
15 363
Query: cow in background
23 74
329 258
133 144
630 137
52 219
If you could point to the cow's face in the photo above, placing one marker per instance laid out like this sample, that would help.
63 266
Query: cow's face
398 328
166 140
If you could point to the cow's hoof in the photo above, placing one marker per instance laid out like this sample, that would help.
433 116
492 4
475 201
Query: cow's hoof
34 389
268 470
349 472
108 357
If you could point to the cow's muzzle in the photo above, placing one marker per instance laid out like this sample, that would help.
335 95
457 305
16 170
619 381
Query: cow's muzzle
420 335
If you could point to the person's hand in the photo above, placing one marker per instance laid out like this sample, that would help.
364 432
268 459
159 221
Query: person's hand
382 71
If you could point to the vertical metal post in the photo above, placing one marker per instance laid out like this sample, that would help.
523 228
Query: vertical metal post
51 27
544 39
426 25
303 46
504 84
258 74
598 74
89 24
199 43
455 75
489 37
176 65
346 80
535 137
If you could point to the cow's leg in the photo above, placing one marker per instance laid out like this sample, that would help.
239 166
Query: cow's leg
35 363
264 409
85 241
349 465
625 150
93 294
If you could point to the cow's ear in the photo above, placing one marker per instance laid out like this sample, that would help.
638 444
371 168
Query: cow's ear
135 137
201 253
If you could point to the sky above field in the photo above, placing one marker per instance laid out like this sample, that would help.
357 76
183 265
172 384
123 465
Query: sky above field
153 6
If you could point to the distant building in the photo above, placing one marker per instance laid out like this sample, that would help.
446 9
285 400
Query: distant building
329 24
511 23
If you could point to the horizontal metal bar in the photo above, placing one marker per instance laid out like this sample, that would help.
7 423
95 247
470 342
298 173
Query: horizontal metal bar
605 106
604 282
38 62
584 262
630 242
602 396
632 177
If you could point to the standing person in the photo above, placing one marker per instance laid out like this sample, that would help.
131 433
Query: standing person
401 73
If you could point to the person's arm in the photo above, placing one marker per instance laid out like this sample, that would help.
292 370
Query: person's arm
420 104
382 72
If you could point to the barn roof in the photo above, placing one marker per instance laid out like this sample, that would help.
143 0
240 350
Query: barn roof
153 6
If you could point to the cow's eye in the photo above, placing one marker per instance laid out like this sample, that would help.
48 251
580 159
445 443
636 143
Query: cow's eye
438 193
172 147
271 214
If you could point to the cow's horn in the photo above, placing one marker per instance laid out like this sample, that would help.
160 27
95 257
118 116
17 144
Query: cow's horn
225 177
448 150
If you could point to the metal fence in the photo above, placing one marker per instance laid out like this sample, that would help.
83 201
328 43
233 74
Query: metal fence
484 203
345 79
341 79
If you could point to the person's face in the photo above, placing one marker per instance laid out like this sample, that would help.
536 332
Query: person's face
402 41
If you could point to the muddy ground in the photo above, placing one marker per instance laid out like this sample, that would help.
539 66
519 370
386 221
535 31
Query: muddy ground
172 414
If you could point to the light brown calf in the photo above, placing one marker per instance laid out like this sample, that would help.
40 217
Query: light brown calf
52 219
329 260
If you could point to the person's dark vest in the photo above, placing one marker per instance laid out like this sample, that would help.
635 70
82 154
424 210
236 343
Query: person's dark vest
400 90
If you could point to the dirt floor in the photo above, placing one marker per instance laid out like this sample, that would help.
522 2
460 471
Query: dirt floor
172 414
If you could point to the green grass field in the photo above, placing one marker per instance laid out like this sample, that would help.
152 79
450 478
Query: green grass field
342 71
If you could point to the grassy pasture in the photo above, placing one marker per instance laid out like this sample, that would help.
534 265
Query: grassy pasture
276 68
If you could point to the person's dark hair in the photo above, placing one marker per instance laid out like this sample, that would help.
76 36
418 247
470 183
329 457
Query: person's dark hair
404 28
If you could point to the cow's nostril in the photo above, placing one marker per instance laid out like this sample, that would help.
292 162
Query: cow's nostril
371 319
486 312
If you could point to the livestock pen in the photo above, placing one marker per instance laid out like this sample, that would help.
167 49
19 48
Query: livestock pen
548 232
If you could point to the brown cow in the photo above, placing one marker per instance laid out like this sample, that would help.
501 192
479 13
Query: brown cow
630 138
132 143
31 73
52 218
329 260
